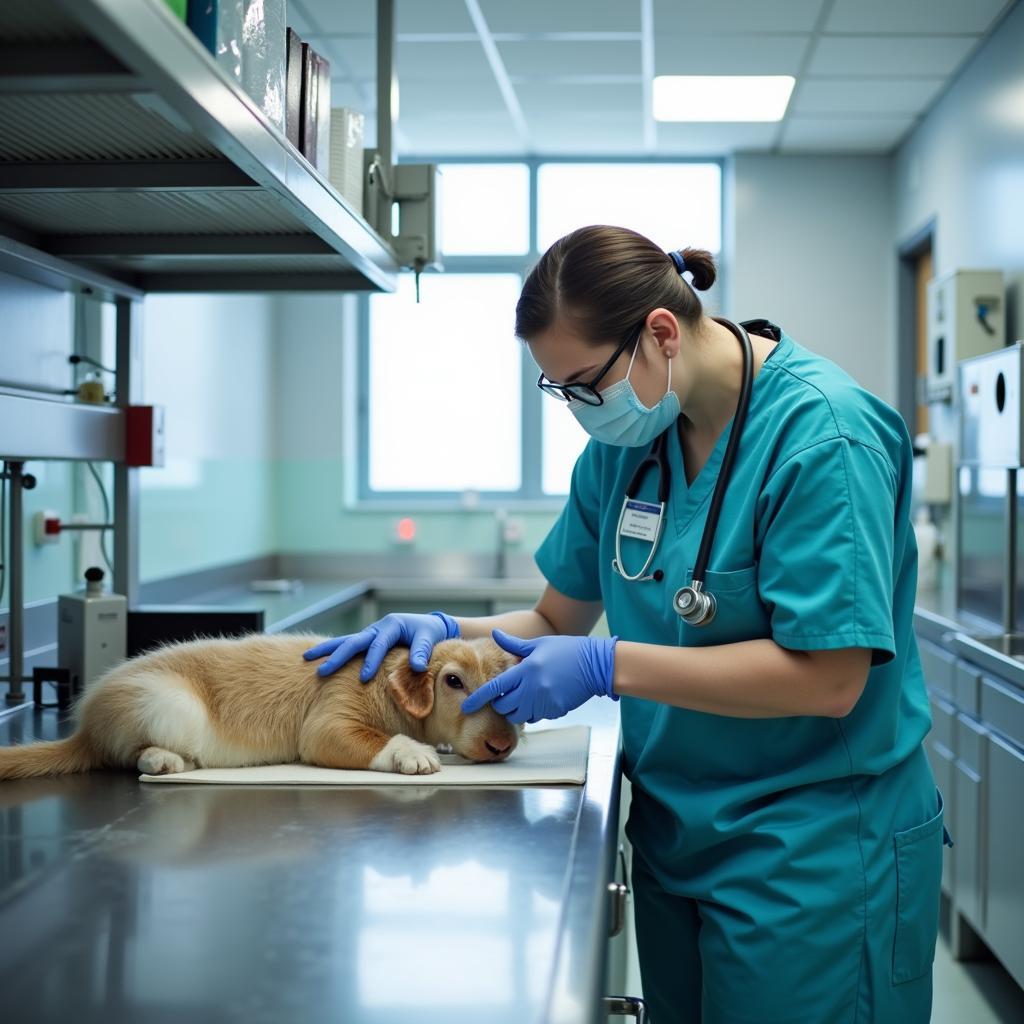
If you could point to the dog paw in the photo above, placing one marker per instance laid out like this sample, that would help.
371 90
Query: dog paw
157 761
405 755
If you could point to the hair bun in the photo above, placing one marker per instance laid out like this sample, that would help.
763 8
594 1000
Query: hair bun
701 265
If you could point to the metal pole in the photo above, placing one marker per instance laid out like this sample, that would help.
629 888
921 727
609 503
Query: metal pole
126 478
387 108
15 572
1010 572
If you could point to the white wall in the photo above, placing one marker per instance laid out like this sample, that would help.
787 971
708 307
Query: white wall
208 359
964 166
808 244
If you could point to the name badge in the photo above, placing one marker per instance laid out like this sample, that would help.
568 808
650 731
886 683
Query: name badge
641 520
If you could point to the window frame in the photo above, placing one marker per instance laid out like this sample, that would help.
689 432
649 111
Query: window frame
530 493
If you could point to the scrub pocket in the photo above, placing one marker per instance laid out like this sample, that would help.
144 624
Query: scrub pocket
740 614
918 877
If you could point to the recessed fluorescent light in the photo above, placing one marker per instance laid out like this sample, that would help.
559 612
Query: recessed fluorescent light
721 97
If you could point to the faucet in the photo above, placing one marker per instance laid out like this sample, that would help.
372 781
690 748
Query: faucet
510 532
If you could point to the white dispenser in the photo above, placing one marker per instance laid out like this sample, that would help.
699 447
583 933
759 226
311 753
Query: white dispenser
91 631
966 317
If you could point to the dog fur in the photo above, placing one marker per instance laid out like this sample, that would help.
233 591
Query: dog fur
231 703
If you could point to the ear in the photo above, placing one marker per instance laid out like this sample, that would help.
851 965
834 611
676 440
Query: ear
412 691
662 323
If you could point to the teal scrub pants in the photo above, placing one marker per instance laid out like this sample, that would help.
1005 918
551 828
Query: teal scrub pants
832 919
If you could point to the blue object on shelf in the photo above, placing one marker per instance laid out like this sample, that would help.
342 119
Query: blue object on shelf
202 20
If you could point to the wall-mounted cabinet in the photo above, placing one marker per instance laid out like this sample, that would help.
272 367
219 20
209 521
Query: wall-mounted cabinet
126 150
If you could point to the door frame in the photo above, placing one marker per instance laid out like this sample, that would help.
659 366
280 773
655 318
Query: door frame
909 251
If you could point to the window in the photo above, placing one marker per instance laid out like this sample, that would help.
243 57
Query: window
448 402
485 209
445 386
675 205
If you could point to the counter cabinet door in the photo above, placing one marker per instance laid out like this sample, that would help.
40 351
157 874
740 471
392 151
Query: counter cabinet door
970 834
939 667
1004 894
940 748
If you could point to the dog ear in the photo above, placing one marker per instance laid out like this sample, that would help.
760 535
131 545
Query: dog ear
412 691
507 661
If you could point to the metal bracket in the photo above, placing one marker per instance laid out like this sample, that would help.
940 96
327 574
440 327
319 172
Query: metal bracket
618 892
626 1006
60 676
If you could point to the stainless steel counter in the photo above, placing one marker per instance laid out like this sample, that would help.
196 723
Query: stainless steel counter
314 598
937 618
121 902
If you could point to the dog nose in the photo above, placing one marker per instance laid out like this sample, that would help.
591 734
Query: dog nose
498 748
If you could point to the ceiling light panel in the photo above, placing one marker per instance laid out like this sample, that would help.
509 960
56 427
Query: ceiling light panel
719 98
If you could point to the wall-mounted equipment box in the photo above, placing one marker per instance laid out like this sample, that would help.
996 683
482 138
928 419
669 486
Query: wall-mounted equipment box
991 428
417 191
966 318
144 435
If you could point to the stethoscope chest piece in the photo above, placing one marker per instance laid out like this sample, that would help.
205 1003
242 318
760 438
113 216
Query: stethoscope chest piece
694 605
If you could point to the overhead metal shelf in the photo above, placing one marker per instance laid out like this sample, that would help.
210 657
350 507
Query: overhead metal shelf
125 149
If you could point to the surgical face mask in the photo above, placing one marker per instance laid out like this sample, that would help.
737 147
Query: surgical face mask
622 419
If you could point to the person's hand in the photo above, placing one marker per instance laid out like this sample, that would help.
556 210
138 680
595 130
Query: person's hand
418 632
557 674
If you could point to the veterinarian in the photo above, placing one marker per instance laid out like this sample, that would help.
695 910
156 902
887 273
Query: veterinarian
786 828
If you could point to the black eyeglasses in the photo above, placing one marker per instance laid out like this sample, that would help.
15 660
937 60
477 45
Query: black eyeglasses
588 392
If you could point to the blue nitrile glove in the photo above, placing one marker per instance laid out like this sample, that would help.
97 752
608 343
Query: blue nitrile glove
557 674
418 632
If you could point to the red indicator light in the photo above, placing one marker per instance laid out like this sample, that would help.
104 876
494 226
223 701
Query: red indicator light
406 529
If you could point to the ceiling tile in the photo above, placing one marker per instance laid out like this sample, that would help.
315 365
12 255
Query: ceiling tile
728 55
345 93
589 132
434 16
462 135
859 134
435 62
870 56
675 139
538 99
736 16
419 100
921 16
562 15
297 19
865 95
349 58
545 58
347 16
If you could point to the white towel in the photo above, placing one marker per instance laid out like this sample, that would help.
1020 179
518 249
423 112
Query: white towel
543 756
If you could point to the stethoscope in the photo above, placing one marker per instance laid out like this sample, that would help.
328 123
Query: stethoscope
645 520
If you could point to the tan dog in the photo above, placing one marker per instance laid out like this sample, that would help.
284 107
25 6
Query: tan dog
231 703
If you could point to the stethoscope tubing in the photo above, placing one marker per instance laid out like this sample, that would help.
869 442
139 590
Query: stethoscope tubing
657 458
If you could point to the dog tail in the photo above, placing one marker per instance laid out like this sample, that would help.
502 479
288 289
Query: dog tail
58 757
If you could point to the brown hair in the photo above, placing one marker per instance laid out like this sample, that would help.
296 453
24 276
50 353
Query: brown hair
604 280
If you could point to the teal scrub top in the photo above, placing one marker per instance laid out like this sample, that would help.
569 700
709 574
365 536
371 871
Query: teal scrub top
814 549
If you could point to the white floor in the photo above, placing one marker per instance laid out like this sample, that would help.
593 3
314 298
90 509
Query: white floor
978 992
